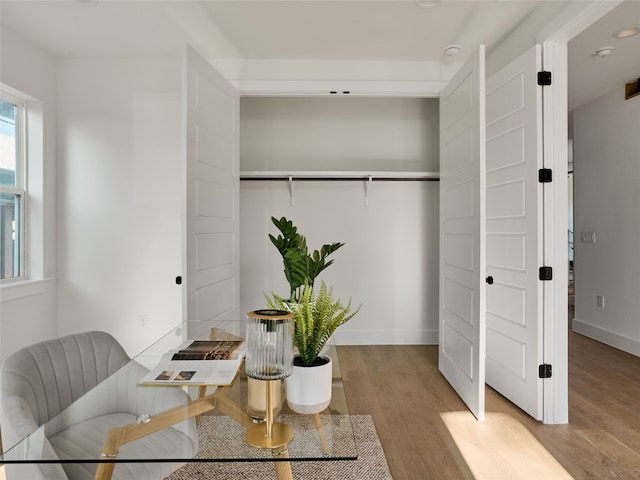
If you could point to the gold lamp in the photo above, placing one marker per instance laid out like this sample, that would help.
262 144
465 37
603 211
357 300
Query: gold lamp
269 357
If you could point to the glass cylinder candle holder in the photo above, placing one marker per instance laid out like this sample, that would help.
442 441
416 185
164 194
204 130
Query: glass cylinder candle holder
269 354
257 398
269 357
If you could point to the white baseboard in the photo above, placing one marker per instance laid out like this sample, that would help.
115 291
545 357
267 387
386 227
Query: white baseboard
626 344
386 337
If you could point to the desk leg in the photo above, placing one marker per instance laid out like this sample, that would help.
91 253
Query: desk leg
104 471
110 448
118 436
283 469
320 429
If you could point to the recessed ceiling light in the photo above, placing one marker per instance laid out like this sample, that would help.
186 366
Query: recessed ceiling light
627 32
603 52
427 3
452 50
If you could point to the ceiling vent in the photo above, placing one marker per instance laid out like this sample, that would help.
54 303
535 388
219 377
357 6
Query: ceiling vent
632 89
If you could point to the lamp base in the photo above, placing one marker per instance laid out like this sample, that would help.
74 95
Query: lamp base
281 435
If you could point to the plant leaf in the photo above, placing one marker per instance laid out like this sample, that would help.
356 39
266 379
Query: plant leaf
317 318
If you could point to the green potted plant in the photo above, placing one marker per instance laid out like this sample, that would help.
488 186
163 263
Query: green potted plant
300 267
317 318
318 315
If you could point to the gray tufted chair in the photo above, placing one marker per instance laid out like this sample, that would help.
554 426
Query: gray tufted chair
41 384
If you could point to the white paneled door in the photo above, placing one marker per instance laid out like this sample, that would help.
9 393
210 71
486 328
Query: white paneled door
462 233
211 230
514 228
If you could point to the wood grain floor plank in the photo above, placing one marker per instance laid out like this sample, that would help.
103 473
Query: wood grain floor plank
620 460
403 390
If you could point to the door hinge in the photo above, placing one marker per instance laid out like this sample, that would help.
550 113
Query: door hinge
544 371
545 175
546 273
544 78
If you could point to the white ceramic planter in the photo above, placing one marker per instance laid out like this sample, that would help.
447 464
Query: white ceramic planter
309 388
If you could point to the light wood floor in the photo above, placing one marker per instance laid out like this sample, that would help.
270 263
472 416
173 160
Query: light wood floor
402 389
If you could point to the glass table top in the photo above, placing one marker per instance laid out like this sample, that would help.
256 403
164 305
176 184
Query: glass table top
221 415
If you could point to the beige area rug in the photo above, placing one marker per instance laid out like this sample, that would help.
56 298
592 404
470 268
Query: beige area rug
370 464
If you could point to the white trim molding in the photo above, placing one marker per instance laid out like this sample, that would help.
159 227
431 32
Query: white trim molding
20 289
329 87
386 337
626 344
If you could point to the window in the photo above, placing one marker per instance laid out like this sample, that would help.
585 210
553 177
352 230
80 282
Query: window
12 187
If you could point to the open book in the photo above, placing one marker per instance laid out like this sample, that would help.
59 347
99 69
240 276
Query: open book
199 362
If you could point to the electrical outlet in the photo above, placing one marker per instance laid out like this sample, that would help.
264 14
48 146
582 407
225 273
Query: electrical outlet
600 301
143 321
588 237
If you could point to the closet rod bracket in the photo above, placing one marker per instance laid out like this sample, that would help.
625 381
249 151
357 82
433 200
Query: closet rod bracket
291 192
367 183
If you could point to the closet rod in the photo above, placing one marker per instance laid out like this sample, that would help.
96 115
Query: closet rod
342 177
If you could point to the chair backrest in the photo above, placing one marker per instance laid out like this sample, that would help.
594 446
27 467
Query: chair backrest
50 375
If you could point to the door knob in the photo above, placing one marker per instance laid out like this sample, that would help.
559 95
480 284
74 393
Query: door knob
489 280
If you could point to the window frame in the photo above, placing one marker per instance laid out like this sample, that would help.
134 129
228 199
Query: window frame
20 188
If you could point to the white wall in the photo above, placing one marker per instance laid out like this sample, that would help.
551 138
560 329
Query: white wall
108 250
120 164
339 133
28 309
606 200
390 261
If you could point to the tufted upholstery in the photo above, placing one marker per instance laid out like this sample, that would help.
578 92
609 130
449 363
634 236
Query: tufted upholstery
40 383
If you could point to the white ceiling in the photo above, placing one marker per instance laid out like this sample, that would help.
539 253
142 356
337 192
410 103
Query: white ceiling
353 30
363 30
590 76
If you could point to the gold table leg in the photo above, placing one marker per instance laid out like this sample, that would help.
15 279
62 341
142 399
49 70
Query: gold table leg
230 408
269 434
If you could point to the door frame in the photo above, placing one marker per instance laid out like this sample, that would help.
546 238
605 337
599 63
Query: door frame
555 394
555 156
